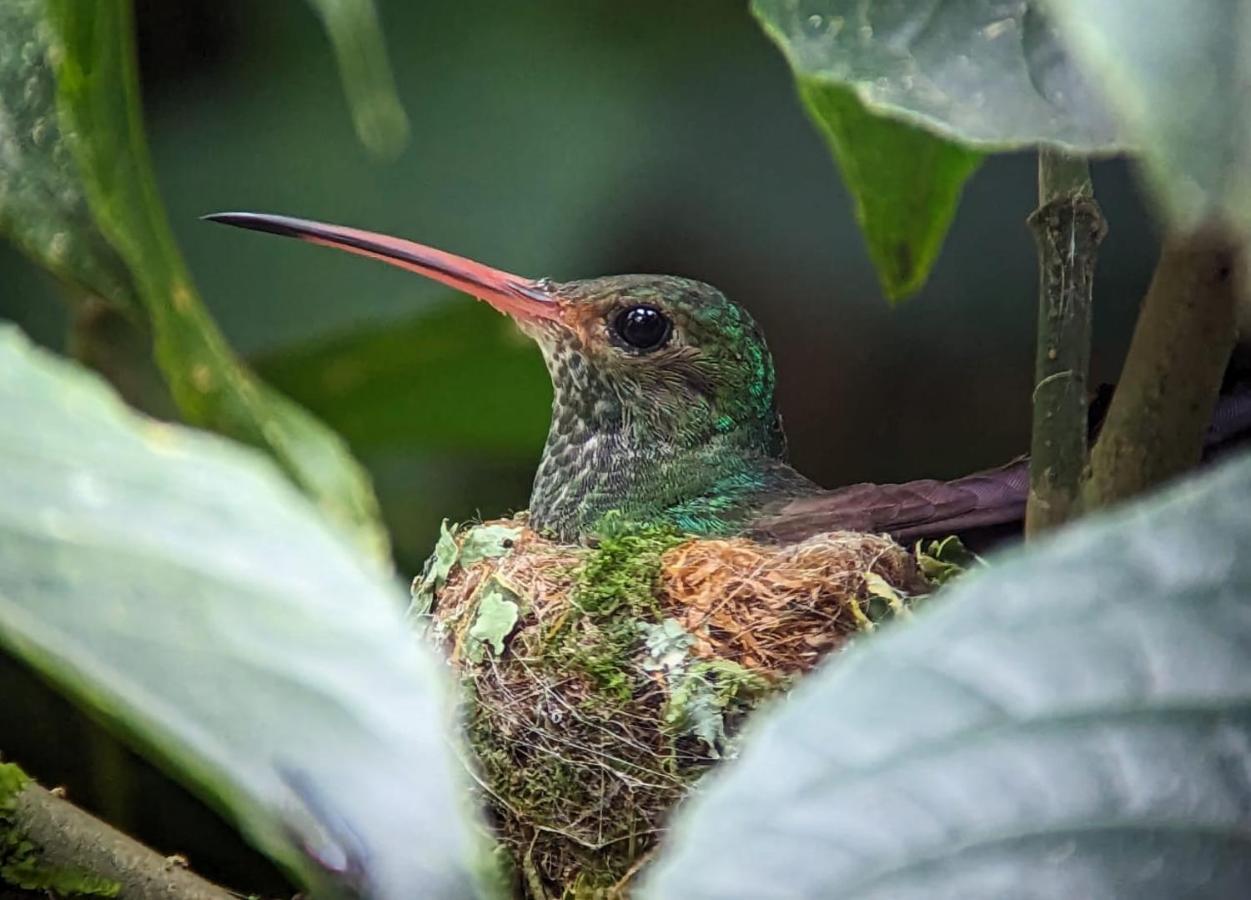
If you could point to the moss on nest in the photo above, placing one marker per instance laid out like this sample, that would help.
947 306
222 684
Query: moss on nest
602 681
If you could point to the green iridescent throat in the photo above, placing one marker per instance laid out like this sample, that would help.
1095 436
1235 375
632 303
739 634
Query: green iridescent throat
687 434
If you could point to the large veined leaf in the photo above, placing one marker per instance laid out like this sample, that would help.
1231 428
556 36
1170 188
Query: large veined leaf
904 181
177 585
905 90
987 73
1074 721
1178 76
77 193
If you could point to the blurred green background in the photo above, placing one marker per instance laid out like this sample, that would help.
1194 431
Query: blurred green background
565 138
572 139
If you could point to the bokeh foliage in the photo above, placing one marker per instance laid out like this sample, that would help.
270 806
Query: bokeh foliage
73 84
408 386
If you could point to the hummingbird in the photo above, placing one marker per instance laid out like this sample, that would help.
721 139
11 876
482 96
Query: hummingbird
663 409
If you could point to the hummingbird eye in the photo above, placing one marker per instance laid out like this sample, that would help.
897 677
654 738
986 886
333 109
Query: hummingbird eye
643 327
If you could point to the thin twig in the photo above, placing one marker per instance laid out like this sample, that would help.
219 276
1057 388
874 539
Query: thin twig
1068 227
107 339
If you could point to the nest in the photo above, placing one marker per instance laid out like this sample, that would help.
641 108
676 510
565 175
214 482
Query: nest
603 681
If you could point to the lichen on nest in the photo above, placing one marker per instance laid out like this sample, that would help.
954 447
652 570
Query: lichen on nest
602 681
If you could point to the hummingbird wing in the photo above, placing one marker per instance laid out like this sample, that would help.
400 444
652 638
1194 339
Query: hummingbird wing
982 508
907 511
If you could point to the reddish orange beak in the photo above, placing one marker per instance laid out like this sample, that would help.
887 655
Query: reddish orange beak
513 295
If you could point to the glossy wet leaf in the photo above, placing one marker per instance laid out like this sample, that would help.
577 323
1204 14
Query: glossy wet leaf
905 91
987 73
1178 77
175 584
458 378
68 68
1072 721
905 182
361 53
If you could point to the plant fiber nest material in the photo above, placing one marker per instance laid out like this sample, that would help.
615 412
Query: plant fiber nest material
601 682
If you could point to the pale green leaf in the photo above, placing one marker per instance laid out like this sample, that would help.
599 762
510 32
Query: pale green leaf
667 644
434 575
1074 721
986 73
497 616
700 696
909 95
487 542
879 587
1177 75
693 710
176 585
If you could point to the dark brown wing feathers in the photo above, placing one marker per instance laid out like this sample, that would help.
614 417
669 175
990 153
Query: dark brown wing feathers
985 500
914 509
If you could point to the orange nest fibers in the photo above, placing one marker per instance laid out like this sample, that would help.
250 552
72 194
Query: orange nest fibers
778 610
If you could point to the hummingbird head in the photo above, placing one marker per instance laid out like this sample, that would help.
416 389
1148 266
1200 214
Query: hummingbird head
663 360
663 387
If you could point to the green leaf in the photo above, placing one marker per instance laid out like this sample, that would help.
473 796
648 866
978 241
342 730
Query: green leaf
456 378
43 207
487 542
440 562
67 73
905 182
497 616
176 585
668 644
1178 78
693 710
1074 721
479 543
700 697
985 73
896 85
945 560
361 53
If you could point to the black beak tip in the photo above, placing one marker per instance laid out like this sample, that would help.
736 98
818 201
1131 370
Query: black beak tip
282 225
226 218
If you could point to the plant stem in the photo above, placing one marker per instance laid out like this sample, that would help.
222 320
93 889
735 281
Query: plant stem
63 843
104 338
1172 376
1068 227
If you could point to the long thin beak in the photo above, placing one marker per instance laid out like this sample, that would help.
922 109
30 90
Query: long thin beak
513 295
